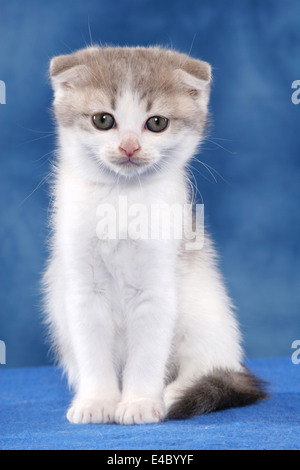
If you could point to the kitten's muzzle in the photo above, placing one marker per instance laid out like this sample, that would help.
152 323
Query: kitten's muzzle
129 145
128 161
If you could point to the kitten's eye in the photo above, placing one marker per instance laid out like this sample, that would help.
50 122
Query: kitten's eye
157 124
103 121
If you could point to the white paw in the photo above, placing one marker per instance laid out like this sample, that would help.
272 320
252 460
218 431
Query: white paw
91 411
141 411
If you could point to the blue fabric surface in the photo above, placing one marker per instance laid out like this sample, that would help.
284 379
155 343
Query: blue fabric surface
33 403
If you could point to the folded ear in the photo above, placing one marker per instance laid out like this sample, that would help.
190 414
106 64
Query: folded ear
66 72
195 77
197 68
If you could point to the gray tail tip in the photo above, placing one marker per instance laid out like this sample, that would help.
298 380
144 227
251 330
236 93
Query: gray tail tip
219 390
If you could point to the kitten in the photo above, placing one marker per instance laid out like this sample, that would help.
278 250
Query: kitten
143 328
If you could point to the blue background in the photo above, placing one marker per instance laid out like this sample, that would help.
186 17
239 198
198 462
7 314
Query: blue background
252 210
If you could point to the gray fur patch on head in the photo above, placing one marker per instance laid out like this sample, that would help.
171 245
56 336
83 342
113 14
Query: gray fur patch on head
152 73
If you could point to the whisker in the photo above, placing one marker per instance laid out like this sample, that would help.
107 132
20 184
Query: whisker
200 173
190 51
34 140
43 181
34 130
43 156
90 33
68 47
210 169
221 146
194 185
220 138
217 173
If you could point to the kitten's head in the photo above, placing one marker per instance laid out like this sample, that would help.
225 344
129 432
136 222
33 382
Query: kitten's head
129 111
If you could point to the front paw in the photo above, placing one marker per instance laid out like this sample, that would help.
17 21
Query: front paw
91 411
140 411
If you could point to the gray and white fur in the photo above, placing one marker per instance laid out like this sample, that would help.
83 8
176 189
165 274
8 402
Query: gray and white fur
144 329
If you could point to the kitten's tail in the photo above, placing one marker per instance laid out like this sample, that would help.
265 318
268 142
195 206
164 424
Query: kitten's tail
216 391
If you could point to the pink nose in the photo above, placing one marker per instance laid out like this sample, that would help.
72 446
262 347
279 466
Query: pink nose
129 146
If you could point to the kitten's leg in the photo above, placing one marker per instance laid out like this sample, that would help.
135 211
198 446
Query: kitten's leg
207 351
207 337
92 335
150 324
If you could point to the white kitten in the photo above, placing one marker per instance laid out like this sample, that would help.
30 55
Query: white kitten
144 328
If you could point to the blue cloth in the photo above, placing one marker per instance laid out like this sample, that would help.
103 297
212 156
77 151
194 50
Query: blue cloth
33 404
